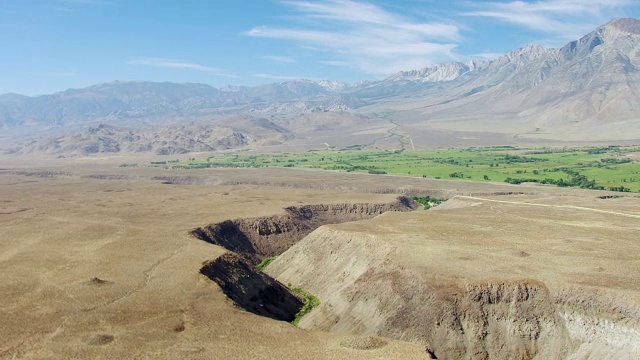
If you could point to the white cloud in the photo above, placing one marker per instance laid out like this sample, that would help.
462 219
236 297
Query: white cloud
366 36
336 63
283 59
177 64
563 20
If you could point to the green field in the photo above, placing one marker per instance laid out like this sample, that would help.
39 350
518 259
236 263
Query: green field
610 168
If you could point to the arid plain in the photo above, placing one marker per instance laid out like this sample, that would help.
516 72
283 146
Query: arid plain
99 262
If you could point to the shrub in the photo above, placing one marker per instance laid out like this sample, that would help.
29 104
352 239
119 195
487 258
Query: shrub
310 303
264 263
427 202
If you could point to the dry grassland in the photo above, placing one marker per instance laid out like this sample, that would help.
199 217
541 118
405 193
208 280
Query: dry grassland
97 261
107 269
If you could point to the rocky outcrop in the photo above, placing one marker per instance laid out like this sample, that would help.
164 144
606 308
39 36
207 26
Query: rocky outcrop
272 235
369 292
253 239
202 137
251 289
437 73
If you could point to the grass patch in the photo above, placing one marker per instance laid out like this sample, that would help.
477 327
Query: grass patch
310 300
310 303
427 202
611 167
264 263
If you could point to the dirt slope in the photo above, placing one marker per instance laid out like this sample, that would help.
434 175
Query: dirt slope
107 269
261 237
481 279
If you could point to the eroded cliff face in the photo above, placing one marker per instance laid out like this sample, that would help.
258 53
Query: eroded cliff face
364 291
376 281
251 289
262 237
252 239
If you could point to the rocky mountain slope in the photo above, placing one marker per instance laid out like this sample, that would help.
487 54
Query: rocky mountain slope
586 90
140 102
220 133
226 133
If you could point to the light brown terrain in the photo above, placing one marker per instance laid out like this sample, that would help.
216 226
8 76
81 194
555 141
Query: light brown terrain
546 276
108 269
99 262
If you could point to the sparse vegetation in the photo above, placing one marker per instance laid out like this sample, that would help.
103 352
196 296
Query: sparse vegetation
264 263
310 303
427 202
589 168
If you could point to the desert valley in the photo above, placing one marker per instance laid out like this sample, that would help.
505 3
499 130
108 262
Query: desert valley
486 209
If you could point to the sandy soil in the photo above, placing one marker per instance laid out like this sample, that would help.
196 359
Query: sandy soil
97 260
107 269
506 277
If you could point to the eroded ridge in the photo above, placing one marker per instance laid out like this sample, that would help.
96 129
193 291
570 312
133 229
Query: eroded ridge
252 289
253 239
261 237
467 285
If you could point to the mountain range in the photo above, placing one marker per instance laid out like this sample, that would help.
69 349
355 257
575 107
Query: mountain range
586 90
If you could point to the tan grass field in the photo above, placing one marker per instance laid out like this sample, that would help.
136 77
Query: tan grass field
97 261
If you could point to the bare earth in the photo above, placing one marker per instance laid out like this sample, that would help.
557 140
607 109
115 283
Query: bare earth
97 261
517 277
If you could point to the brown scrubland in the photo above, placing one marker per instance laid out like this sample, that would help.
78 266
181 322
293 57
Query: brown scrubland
107 262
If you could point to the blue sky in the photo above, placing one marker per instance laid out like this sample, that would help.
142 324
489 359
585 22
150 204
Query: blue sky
52 45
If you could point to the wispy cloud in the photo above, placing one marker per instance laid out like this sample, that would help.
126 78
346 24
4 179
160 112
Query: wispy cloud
177 64
282 77
283 59
366 36
336 63
562 20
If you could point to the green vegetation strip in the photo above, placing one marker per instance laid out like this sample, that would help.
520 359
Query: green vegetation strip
609 168
310 303
427 202
264 263
310 300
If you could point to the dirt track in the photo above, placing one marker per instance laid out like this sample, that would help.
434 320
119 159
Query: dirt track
547 205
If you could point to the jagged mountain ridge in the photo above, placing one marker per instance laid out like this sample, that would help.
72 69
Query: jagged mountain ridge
587 90
440 72
136 100
593 80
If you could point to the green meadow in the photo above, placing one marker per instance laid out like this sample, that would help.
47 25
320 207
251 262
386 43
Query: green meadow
609 168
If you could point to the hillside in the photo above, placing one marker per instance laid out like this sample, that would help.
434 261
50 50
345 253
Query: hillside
480 278
587 90
220 133
225 133
135 103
